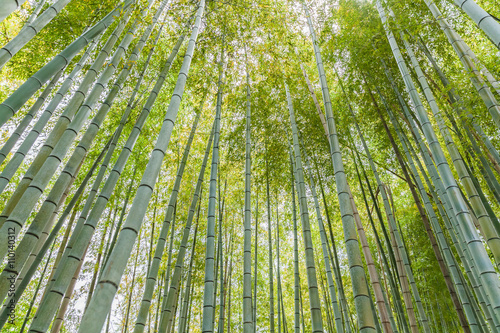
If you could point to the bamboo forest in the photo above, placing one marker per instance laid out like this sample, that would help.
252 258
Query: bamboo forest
250 166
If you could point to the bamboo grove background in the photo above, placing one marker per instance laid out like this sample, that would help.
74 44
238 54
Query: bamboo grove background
249 166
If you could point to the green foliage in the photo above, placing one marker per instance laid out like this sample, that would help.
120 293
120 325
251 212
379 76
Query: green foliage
353 43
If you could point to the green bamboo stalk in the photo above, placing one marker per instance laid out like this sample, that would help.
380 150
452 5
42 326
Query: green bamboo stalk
448 216
484 200
120 219
18 157
476 316
229 292
10 269
61 124
158 302
220 328
17 99
374 311
31 29
160 245
315 305
19 215
255 272
270 252
41 222
129 301
448 212
82 238
248 321
334 259
107 323
168 270
437 245
209 289
84 215
100 304
324 245
400 251
388 323
53 140
228 249
35 294
467 62
12 140
8 7
285 324
375 280
278 275
24 277
430 304
314 98
402 267
487 174
486 224
361 294
327 301
171 323
480 65
390 275
190 311
401 255
296 183
188 287
101 254
482 18
465 226
221 202
35 237
458 104
302 310
56 326
296 275
35 12
152 235
484 166
64 242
